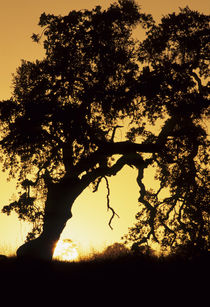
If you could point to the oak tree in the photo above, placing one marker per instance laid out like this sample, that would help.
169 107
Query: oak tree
58 128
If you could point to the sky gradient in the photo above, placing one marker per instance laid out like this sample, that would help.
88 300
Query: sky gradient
89 225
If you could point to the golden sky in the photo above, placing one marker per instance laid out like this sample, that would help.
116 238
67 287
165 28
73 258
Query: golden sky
89 225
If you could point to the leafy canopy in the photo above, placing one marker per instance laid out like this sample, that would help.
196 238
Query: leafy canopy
64 107
174 83
64 110
71 99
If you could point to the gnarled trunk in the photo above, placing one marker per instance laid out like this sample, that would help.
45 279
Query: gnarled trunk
60 199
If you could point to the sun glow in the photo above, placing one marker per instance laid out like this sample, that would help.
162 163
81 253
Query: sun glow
65 250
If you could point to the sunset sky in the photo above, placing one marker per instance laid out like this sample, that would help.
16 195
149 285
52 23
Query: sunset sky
89 225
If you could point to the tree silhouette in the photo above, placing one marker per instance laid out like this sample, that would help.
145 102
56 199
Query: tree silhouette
58 128
175 54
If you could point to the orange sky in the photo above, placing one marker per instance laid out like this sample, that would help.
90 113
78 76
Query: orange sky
89 225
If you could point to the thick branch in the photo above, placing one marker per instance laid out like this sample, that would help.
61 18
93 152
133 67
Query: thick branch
101 172
134 159
67 157
108 149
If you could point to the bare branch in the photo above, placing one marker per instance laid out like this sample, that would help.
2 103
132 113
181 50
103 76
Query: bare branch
150 208
108 203
200 86
114 131
132 159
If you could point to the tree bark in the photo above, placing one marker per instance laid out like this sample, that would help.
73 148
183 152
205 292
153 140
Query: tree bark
60 199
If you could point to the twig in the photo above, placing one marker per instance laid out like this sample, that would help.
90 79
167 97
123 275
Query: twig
108 203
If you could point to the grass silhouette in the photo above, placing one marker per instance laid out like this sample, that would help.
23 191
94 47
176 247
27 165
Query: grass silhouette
107 279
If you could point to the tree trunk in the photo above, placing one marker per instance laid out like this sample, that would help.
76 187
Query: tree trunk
60 199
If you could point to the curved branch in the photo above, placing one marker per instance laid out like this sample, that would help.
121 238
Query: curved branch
131 160
149 207
107 149
101 172
108 203
200 86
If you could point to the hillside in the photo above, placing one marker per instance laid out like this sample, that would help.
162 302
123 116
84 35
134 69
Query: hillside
107 281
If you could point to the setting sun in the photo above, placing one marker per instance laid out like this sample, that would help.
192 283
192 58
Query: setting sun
65 250
107 113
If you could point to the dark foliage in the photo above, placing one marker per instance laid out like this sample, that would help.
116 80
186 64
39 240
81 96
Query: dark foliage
173 82
58 128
